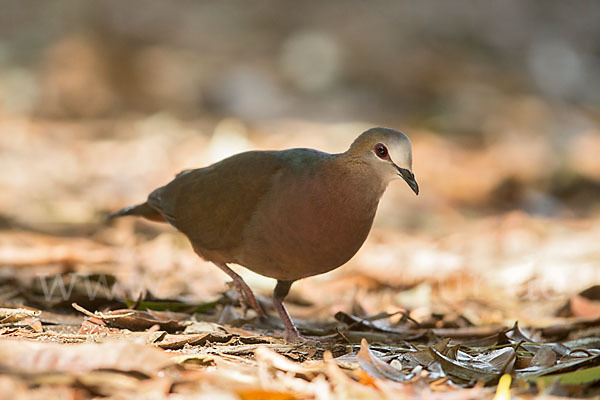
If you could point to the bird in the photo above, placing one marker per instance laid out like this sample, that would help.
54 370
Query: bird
284 214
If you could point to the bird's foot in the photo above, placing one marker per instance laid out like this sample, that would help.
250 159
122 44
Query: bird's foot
240 296
295 337
251 301
245 295
247 300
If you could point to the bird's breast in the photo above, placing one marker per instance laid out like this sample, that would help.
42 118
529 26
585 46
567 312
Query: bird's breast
312 226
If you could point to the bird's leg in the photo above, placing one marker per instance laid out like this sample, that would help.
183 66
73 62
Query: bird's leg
281 290
241 297
243 291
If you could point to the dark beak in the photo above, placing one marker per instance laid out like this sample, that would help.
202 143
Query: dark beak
409 177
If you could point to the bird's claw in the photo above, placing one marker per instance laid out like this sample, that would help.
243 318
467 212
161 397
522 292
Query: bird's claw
247 300
297 338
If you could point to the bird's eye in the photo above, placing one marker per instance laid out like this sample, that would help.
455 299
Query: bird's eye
381 150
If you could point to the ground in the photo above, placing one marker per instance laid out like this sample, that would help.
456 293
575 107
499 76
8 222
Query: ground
479 280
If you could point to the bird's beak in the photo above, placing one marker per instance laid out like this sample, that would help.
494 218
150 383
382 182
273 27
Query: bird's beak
409 177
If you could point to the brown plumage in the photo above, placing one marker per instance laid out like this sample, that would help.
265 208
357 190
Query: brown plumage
284 214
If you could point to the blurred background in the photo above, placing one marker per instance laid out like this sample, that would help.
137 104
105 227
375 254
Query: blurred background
101 102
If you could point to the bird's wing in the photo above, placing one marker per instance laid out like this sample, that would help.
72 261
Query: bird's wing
212 205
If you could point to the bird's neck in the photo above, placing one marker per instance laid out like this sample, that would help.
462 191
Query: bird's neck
358 184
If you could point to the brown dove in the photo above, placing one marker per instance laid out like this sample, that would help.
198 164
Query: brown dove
286 214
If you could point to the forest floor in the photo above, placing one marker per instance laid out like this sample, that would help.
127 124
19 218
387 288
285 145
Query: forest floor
439 303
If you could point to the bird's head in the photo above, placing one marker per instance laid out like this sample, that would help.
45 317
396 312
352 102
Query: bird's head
388 153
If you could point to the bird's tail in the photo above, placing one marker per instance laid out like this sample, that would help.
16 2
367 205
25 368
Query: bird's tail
140 210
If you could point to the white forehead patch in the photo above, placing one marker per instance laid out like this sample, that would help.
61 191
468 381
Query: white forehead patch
400 151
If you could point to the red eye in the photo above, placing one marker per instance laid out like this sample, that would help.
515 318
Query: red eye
381 150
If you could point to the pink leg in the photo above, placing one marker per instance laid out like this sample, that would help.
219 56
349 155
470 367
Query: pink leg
246 297
281 290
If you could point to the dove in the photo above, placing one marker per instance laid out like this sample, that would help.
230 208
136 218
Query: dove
287 214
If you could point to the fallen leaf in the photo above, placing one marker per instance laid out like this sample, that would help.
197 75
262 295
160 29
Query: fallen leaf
268 357
136 320
174 342
170 305
544 357
424 358
34 323
11 315
470 332
33 357
487 368
376 367
566 366
579 377
203 326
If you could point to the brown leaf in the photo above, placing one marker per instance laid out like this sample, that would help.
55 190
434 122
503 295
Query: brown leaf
11 315
268 357
135 320
34 323
544 357
34 357
174 342
94 326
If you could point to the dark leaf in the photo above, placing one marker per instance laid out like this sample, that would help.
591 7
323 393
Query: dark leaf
562 367
487 368
375 367
159 305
